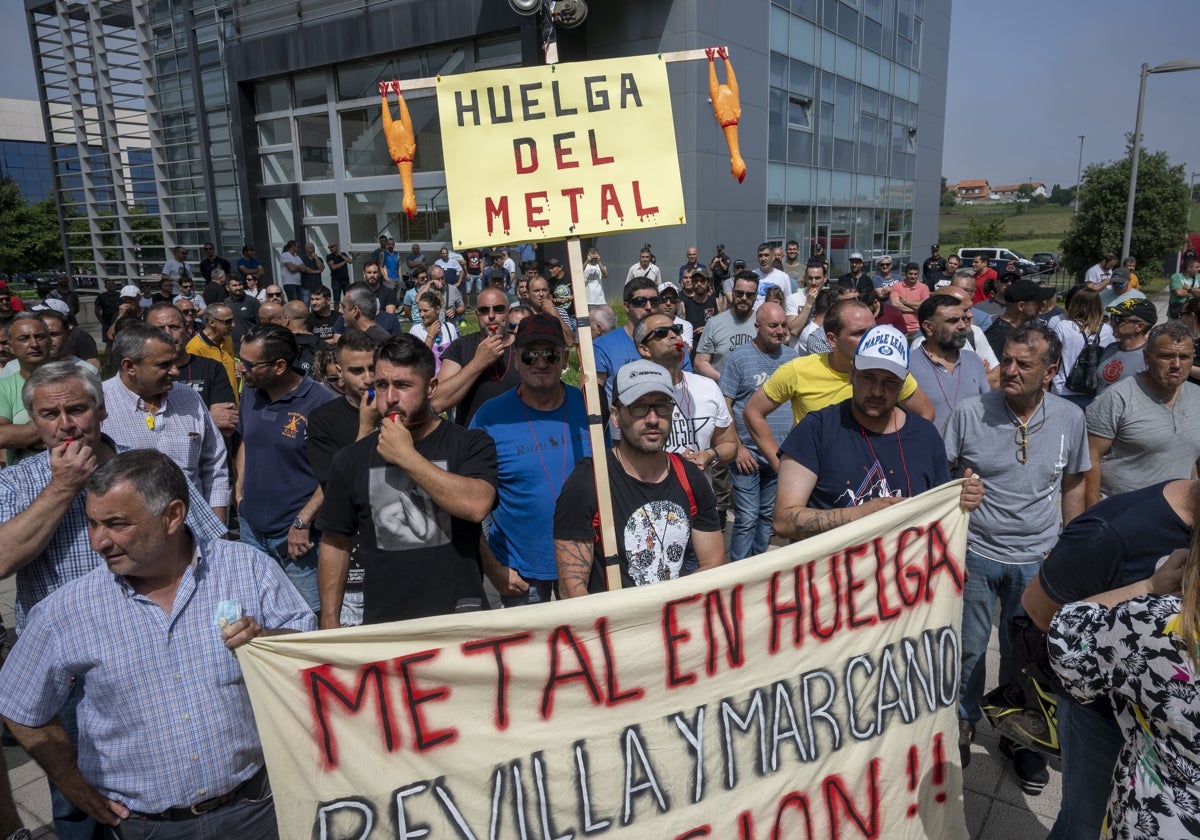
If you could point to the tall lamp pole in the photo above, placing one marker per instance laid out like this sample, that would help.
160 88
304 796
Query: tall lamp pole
1170 67
1079 174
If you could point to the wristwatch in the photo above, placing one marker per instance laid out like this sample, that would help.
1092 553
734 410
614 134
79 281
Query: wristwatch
299 524
716 455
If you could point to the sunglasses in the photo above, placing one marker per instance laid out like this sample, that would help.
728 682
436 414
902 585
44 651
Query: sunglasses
738 293
498 309
662 332
275 294
643 302
550 354
226 321
662 409
668 297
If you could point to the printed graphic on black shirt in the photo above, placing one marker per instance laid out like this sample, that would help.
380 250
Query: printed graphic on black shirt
656 536
404 515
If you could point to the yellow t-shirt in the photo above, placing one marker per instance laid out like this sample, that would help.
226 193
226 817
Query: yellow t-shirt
811 384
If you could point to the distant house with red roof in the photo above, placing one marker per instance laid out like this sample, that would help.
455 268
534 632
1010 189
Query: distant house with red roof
970 192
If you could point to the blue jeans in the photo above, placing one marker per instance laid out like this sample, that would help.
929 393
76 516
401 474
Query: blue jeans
70 823
539 592
246 819
753 509
988 580
301 571
1090 745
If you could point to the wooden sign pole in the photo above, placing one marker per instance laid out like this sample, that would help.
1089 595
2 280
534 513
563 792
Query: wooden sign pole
591 394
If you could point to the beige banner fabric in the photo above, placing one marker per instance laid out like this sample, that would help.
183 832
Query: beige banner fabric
806 693
577 149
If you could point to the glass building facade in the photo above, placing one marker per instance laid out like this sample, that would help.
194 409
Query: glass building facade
842 124
260 122
27 163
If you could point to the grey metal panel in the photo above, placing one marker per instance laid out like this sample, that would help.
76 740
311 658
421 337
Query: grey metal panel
931 124
292 43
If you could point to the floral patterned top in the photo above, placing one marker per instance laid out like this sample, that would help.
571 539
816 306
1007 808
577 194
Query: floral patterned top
1134 653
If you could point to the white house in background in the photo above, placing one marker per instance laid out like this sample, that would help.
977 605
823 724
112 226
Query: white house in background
1009 192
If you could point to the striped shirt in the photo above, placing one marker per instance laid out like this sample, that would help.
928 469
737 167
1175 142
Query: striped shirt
165 720
181 428
68 555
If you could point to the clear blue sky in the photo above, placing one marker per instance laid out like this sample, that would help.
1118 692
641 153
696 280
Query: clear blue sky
1026 78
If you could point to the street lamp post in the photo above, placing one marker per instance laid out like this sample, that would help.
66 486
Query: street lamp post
1079 174
1170 67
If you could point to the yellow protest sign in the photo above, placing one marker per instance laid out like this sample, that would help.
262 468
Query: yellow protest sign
557 151
810 692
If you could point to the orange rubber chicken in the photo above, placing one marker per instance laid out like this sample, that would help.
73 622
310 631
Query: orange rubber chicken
727 108
402 146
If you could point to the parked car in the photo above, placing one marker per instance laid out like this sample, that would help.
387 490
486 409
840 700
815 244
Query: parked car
998 258
1046 261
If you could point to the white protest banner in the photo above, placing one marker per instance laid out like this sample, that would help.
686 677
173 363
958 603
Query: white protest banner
809 692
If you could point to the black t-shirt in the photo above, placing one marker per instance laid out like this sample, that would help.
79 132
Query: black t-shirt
308 344
653 521
214 293
81 345
1115 542
417 559
499 377
322 325
337 275
245 316
107 304
931 271
331 428
208 378
207 266
698 315
308 280
997 335
866 289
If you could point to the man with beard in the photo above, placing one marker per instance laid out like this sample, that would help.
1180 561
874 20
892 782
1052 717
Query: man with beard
858 278
411 495
848 460
617 348
699 304
731 329
244 308
662 505
337 424
478 366
946 372
277 492
213 341
1031 494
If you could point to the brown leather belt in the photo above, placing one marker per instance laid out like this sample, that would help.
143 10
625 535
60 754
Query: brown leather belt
251 788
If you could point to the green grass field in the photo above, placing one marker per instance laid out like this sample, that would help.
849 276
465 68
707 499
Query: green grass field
1035 229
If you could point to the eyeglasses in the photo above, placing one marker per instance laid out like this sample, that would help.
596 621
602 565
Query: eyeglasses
662 332
226 321
551 355
662 409
252 365
1022 438
739 293
668 297
498 309
643 302
275 294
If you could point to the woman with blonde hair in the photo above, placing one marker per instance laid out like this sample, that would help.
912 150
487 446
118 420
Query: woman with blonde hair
1083 326
1137 647
430 328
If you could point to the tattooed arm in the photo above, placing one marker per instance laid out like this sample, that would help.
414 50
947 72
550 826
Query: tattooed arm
574 560
794 519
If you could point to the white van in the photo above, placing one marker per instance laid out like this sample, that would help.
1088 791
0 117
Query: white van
997 258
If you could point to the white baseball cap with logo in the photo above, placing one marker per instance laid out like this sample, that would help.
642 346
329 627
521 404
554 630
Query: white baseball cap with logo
884 348
639 378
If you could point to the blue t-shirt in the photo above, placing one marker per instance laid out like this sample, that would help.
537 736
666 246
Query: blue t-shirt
854 465
391 264
747 368
535 451
279 480
251 264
